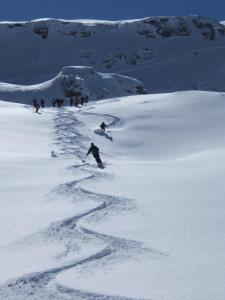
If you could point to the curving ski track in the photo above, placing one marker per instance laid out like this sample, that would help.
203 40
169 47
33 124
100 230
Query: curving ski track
35 286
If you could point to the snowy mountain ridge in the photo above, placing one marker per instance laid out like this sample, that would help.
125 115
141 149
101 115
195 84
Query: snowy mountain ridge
73 81
165 53
162 26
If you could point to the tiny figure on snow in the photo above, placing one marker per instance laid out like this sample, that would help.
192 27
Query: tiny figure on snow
34 103
95 152
103 126
42 103
82 100
58 102
53 154
76 101
37 108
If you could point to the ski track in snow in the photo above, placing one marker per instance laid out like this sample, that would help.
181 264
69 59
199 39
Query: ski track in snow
112 121
37 285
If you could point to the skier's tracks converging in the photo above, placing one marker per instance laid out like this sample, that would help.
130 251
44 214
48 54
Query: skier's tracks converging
70 231
113 121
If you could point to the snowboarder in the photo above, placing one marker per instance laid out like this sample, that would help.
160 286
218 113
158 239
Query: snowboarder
103 126
95 152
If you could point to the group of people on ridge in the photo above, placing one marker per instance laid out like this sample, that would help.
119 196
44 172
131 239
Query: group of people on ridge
75 101
57 102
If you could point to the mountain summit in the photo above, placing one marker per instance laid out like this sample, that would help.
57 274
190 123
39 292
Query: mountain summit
165 53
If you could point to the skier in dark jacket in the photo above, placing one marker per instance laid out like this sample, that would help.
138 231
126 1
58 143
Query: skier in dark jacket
103 126
95 152
37 108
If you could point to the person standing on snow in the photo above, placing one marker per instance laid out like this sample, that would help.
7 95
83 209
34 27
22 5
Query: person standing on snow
103 126
86 99
34 103
42 103
95 152
37 108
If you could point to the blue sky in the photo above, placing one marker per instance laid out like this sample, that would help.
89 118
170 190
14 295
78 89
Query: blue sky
108 9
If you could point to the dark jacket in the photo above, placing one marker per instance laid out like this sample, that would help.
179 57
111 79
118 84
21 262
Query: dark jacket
94 150
103 125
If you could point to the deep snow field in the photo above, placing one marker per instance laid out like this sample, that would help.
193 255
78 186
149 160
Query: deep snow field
150 225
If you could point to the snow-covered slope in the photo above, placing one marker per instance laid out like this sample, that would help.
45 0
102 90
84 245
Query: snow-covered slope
80 80
148 226
165 53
